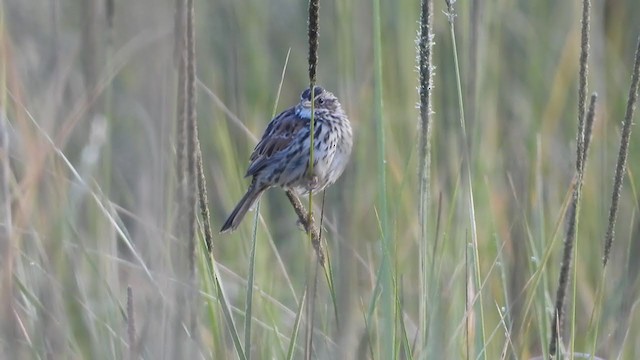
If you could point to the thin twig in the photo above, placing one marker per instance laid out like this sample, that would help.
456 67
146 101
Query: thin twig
309 225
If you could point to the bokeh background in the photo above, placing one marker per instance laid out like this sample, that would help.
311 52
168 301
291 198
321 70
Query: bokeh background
89 109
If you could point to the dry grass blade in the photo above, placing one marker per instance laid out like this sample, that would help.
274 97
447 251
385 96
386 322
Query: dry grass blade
622 155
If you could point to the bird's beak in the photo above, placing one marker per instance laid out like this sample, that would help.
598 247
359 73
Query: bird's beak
306 104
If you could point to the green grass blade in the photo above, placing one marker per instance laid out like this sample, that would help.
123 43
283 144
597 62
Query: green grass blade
388 254
296 327
226 312
249 298
474 233
328 274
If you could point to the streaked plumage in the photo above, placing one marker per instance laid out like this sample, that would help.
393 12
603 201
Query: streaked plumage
281 158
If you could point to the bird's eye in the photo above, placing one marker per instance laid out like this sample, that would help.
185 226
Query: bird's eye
321 101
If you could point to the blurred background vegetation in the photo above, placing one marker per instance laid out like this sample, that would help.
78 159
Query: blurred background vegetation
89 103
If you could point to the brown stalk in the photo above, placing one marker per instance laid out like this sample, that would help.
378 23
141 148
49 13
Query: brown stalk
309 225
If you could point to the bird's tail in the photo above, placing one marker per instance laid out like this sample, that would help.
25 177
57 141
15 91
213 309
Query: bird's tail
247 201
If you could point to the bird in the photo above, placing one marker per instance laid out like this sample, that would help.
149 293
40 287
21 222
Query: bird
281 157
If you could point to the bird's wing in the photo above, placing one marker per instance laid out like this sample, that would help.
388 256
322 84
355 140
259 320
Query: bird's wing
278 136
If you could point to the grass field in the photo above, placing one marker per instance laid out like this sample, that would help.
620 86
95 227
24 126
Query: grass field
95 265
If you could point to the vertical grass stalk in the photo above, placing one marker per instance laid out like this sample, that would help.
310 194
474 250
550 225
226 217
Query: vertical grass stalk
203 198
8 330
622 155
467 156
6 229
314 6
181 152
248 310
226 308
386 269
192 133
131 324
600 290
312 278
570 245
181 198
425 68
306 217
192 177
296 327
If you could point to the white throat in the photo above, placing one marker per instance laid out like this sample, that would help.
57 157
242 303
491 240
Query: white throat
304 112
